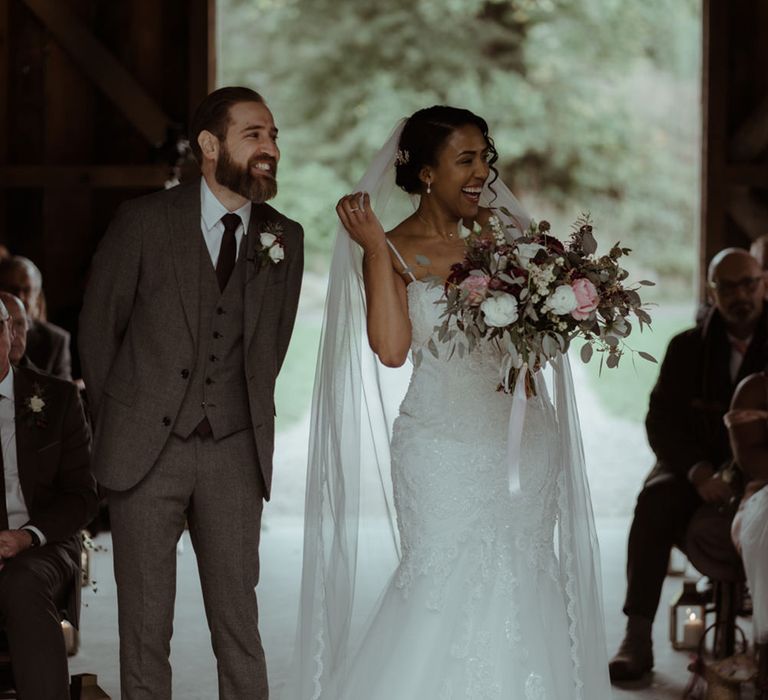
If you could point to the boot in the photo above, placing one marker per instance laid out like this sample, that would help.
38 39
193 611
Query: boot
761 684
635 655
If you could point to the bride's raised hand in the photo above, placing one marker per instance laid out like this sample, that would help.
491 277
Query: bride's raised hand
360 222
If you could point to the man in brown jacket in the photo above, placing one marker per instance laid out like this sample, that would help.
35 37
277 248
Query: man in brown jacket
186 322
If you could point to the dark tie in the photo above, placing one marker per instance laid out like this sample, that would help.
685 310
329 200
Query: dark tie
228 250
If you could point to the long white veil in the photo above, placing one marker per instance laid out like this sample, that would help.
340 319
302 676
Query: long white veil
350 531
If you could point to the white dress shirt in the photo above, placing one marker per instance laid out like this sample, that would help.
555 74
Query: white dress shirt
15 504
211 211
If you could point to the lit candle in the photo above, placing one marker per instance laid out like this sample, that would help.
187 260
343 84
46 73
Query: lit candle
693 631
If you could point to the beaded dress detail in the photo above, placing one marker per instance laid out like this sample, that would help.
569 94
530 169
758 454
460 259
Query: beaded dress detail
476 609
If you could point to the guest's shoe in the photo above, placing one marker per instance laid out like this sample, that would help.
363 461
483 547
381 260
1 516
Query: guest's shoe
635 655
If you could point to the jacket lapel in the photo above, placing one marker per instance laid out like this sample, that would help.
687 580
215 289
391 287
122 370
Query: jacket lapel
256 276
25 437
184 224
754 360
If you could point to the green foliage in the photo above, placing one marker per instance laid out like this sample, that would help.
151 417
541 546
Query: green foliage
593 103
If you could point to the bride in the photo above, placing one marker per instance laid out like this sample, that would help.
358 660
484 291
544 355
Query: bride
426 576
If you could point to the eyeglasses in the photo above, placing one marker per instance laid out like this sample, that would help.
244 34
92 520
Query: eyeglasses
748 284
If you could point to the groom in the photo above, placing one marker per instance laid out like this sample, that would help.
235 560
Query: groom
185 325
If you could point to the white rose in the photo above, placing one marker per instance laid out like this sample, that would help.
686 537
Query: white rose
276 253
527 252
267 239
500 310
36 404
562 301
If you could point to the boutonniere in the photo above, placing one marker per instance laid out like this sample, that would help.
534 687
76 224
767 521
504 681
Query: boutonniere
271 240
34 407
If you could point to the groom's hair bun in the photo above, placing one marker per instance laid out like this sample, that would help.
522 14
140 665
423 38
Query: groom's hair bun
212 114
424 135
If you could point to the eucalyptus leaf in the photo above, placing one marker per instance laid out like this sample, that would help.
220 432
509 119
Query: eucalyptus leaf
588 243
647 356
612 360
433 348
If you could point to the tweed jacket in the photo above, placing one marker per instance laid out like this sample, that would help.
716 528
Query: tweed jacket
140 322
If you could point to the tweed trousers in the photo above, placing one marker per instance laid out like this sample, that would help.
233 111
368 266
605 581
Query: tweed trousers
215 487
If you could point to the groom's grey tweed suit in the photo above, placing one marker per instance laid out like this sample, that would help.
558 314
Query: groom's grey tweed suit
163 348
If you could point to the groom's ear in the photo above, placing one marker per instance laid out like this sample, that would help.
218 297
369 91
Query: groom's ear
209 145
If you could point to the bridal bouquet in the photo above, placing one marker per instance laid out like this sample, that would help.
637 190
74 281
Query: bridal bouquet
532 296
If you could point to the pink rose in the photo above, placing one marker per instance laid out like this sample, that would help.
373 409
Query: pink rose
586 298
477 286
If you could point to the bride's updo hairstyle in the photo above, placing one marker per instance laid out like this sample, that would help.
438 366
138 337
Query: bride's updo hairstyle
424 135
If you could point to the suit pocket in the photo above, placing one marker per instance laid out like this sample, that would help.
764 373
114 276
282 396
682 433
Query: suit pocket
50 445
120 390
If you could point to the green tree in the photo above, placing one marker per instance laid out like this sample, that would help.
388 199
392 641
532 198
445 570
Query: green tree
593 103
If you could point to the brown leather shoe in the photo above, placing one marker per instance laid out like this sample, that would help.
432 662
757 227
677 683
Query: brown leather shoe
635 655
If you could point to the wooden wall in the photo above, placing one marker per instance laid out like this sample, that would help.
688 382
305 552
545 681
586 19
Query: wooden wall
734 202
94 95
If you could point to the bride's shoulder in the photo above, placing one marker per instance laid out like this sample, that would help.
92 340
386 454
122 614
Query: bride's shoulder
401 236
401 248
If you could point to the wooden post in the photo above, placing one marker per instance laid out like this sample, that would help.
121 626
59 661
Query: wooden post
714 133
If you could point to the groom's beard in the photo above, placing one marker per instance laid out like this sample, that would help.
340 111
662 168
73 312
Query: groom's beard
257 188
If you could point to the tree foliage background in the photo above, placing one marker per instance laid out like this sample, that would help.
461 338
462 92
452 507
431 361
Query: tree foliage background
593 104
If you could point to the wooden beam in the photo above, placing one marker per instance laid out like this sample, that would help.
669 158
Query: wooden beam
715 35
4 70
4 107
103 69
201 51
752 175
97 176
751 138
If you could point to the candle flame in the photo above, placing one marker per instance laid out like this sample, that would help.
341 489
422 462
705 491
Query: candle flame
692 616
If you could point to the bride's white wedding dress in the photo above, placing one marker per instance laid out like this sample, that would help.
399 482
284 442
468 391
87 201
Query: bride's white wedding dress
476 608
483 593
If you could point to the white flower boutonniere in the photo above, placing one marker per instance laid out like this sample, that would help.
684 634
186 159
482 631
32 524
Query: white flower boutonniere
34 407
271 238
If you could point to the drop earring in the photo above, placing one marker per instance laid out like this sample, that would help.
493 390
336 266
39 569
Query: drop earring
429 188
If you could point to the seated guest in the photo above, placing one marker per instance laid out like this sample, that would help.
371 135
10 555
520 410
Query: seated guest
747 423
50 495
685 429
47 344
20 324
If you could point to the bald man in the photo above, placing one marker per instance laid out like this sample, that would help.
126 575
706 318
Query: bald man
47 344
701 369
20 325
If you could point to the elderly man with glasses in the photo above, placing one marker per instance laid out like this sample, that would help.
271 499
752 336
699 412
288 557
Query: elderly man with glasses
700 371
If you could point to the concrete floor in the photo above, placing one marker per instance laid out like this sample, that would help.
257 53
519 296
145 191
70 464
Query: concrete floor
193 662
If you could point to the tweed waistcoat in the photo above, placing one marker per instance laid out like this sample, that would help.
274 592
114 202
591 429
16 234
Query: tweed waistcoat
217 388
